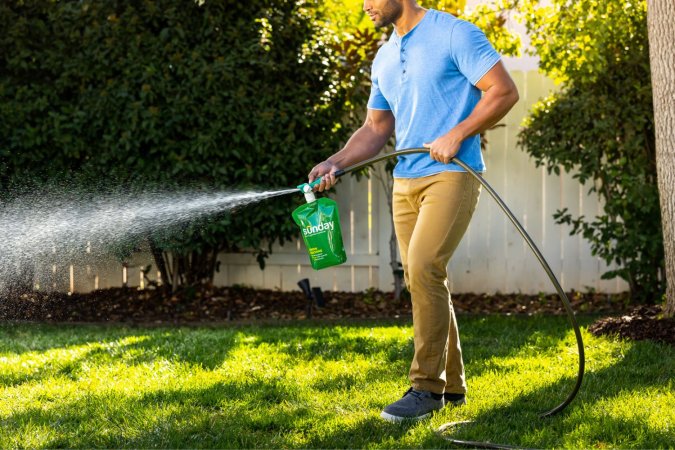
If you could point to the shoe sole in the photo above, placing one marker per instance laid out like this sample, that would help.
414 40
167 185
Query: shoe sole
398 419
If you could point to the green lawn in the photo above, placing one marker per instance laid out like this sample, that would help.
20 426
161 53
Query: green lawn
321 385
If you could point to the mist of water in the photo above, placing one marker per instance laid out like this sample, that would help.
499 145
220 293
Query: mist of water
36 226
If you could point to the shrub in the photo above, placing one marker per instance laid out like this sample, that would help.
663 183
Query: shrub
600 127
213 94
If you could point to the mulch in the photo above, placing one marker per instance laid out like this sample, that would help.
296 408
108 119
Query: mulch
240 304
642 323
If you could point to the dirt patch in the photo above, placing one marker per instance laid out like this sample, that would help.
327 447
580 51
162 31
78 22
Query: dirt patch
237 303
643 322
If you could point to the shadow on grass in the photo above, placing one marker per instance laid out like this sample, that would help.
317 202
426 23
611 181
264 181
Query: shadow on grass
483 338
263 411
218 415
584 417
224 415
205 347
109 345
210 347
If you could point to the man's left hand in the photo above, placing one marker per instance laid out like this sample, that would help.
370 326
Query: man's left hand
444 148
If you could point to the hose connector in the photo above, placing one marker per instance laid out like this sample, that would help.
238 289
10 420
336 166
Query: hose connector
307 189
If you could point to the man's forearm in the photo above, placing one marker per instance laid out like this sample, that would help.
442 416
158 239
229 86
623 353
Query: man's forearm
365 143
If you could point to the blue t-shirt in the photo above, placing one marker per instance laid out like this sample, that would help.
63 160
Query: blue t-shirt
427 79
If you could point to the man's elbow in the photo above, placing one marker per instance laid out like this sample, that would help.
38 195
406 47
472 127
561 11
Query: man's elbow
507 95
513 96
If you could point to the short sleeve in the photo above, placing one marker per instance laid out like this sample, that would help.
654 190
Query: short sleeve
377 100
472 52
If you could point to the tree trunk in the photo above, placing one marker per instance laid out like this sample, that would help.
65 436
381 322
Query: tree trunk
191 269
160 262
661 24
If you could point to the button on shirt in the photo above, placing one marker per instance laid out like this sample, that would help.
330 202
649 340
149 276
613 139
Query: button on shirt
427 79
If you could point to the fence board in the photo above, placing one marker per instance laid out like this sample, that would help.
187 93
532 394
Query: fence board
383 222
498 156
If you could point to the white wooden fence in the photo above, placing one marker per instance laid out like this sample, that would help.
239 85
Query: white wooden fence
491 258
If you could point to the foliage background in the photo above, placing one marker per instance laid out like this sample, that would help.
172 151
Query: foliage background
143 95
139 94
600 127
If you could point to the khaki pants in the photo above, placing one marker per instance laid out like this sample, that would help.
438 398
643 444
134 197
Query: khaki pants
431 215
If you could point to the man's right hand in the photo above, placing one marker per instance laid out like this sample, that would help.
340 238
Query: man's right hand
326 170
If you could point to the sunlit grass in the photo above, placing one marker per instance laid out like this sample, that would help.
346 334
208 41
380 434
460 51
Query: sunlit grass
321 385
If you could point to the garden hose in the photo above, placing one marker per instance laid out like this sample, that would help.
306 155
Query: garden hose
535 250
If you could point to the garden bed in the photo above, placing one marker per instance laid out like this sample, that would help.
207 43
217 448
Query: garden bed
129 305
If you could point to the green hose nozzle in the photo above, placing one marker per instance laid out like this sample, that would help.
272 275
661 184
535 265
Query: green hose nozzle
308 188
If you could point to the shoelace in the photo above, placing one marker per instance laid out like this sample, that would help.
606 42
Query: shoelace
413 392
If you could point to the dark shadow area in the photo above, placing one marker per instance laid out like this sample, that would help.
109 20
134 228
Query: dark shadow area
331 344
206 417
483 338
374 429
21 334
250 414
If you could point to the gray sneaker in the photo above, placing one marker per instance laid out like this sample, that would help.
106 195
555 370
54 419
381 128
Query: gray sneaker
414 405
454 399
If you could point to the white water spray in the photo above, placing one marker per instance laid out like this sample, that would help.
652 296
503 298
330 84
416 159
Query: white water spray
33 227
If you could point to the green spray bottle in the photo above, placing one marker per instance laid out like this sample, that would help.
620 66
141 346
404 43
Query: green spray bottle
319 222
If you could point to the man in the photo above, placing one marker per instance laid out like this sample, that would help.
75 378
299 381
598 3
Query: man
437 83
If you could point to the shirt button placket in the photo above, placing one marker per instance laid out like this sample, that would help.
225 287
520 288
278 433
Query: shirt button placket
404 65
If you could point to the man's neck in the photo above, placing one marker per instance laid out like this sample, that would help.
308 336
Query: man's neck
411 16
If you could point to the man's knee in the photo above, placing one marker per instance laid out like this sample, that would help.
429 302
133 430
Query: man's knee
425 271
